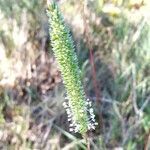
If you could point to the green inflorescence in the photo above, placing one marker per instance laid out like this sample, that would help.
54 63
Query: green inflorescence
64 52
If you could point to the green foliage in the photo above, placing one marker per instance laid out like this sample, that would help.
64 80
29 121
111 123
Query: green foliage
146 123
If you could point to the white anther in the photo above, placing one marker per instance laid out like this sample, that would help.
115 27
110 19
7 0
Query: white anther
71 129
91 111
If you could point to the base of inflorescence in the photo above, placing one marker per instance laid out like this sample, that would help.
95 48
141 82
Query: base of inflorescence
74 126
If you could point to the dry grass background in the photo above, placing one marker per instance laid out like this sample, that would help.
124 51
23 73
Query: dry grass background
31 90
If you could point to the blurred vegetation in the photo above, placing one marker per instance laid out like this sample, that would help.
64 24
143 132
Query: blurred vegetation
31 91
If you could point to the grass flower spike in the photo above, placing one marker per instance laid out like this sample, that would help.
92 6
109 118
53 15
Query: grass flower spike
78 108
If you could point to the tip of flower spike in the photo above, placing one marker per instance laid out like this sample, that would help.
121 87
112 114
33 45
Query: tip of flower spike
51 6
49 2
